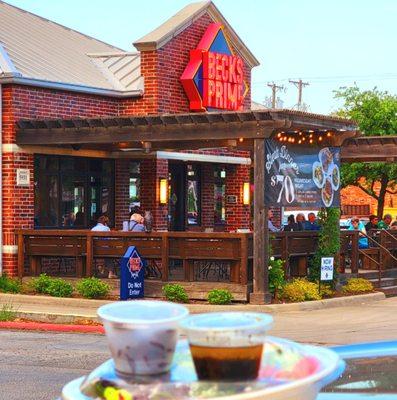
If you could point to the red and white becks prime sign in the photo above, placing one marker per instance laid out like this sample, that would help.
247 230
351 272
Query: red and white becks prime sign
214 76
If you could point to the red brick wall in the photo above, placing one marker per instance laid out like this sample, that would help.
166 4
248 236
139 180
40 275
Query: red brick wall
207 195
237 215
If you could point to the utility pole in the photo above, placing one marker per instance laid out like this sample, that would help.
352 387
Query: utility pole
300 85
274 92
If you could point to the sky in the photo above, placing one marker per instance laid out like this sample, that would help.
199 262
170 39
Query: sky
329 44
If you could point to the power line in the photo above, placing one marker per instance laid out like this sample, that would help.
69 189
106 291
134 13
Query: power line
330 79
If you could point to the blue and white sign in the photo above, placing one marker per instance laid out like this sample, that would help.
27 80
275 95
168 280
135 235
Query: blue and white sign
327 268
132 275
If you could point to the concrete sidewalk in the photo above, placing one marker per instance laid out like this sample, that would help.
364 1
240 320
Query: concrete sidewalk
74 311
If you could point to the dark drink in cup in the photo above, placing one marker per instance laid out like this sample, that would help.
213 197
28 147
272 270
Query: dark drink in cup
227 363
227 346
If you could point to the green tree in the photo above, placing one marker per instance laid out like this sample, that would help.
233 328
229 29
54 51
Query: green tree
376 115
328 241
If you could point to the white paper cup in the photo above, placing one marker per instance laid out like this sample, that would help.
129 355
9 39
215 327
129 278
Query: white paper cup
142 334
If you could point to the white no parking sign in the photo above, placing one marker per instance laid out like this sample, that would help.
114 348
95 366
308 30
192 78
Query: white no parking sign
327 268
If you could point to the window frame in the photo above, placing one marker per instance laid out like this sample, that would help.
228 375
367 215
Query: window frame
85 175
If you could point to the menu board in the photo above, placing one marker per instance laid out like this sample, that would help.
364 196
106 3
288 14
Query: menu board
303 176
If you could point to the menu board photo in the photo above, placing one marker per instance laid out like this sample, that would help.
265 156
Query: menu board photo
304 176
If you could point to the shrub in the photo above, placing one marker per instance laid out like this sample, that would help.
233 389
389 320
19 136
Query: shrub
7 313
41 284
92 288
219 296
276 276
9 285
59 288
326 291
301 290
175 292
358 285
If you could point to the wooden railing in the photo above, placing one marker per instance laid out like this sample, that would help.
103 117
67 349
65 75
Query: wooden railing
192 248
85 246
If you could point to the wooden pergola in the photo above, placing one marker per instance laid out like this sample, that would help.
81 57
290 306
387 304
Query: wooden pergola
369 149
244 130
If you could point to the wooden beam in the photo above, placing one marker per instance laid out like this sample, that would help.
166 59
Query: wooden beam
145 133
260 293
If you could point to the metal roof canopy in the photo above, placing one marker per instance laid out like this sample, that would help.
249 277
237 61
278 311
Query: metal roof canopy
192 130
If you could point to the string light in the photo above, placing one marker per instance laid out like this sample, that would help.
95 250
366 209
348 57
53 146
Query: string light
329 134
320 138
279 134
311 141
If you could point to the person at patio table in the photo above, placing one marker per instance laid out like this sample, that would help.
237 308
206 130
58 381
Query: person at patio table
357 225
373 223
311 224
385 223
393 225
292 225
270 225
103 226
136 223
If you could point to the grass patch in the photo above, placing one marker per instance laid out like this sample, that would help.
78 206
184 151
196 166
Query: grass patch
7 313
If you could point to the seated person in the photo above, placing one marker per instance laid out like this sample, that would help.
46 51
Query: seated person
311 224
270 225
136 223
357 225
373 223
292 225
385 223
102 226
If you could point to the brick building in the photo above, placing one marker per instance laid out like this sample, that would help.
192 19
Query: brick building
48 71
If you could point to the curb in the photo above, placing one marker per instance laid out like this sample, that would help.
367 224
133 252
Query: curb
40 326
85 310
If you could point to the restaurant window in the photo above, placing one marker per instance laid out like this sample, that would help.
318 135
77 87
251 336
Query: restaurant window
193 195
135 184
219 195
72 192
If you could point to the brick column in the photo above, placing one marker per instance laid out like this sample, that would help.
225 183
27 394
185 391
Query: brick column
237 215
152 170
207 195
122 192
18 206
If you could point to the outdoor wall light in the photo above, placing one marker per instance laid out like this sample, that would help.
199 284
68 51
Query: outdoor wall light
163 191
246 193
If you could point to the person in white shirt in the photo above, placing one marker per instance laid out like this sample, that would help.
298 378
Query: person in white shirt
102 226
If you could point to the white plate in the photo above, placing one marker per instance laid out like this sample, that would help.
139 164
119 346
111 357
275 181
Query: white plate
318 166
328 202
329 368
335 170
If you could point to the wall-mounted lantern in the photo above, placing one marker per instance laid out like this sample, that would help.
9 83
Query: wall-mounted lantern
246 193
163 191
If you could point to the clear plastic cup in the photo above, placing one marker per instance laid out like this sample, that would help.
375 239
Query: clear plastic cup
227 346
142 334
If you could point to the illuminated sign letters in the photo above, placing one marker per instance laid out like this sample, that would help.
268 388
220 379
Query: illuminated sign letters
214 77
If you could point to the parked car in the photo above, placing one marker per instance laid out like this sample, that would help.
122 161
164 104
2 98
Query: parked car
370 373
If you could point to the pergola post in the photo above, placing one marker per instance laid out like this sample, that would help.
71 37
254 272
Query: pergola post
260 293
